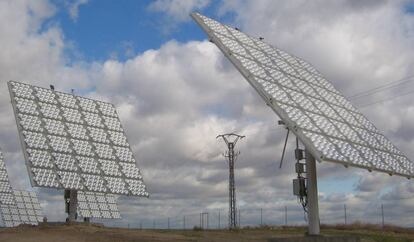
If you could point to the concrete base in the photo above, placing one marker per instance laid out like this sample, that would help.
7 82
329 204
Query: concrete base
317 239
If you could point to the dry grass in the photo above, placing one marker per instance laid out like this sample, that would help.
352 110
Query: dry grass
97 233
388 228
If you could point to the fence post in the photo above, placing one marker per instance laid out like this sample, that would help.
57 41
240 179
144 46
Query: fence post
345 214
219 220
207 220
261 217
239 219
184 222
286 223
168 223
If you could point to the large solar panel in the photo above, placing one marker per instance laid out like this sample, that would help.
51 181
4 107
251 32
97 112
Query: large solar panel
27 210
97 205
330 126
6 192
73 142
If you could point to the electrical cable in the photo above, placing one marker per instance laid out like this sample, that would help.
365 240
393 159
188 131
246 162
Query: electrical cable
284 149
385 100
382 88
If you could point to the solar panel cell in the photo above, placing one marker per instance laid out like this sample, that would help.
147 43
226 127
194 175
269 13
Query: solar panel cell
26 210
73 142
97 205
311 107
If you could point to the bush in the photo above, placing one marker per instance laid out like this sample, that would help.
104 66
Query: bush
196 228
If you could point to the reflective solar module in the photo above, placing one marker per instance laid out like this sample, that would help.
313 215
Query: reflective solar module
97 205
27 210
73 142
6 192
329 125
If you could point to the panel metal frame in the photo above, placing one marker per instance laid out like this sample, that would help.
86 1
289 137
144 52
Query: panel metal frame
68 137
22 206
21 137
6 182
269 100
85 205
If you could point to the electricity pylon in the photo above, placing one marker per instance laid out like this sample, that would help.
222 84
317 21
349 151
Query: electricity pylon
231 140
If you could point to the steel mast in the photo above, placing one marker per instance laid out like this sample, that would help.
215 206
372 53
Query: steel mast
231 140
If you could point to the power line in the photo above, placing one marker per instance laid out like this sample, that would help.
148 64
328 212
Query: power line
382 87
385 100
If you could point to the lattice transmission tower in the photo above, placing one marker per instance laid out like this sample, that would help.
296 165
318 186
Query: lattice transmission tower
231 140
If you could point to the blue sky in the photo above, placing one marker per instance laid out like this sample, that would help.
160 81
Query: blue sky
174 100
410 7
107 27
104 27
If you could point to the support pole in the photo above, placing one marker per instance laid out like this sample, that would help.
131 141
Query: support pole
207 220
184 222
261 217
204 220
345 214
312 195
239 218
231 140
219 220
71 201
286 216
232 189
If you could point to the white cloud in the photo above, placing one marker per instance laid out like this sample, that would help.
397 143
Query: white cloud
176 11
357 45
174 100
32 54
73 7
174 139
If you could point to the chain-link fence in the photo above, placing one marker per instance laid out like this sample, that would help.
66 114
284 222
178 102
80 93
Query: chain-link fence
256 217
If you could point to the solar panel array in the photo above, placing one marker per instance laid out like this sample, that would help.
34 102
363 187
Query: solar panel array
6 193
97 205
329 125
73 142
26 210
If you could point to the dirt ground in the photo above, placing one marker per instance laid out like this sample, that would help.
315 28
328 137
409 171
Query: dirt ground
94 233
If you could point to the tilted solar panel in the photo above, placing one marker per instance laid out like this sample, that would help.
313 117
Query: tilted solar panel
27 210
97 205
330 126
73 142
6 192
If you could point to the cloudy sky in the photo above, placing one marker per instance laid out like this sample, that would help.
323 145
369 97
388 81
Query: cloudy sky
175 92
